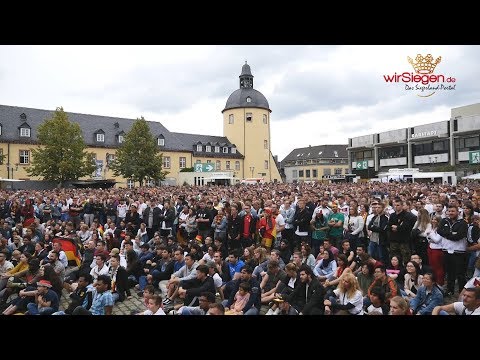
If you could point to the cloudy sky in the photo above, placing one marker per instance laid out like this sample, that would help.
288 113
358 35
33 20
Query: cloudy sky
318 94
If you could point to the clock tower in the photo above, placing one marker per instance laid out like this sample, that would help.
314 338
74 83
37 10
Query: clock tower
246 123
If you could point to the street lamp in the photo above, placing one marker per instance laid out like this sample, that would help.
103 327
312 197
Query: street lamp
252 169
12 168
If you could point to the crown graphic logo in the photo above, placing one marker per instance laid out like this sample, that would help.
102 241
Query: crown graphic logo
424 65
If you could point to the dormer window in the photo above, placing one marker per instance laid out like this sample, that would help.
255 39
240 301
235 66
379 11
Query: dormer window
234 150
208 148
120 139
100 137
161 140
225 150
25 132
335 153
23 117
199 147
217 149
249 99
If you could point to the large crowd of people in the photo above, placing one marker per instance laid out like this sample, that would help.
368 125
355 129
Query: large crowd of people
366 248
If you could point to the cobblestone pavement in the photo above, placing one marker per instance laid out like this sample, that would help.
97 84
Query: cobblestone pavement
126 307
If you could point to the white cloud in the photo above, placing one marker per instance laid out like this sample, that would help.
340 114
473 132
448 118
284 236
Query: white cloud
318 94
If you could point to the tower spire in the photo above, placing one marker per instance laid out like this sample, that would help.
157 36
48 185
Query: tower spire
246 77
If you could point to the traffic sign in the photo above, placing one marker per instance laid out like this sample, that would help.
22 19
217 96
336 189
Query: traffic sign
204 167
474 157
362 165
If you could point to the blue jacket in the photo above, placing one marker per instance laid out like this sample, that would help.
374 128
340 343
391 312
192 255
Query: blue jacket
423 304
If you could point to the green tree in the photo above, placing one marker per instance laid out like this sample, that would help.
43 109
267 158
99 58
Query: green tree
61 155
139 157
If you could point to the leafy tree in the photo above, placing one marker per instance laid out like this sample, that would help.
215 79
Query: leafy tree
61 155
139 157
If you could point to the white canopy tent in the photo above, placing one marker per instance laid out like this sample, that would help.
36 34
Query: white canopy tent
472 177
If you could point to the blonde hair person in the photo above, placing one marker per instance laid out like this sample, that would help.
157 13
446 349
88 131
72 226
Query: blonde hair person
399 306
348 298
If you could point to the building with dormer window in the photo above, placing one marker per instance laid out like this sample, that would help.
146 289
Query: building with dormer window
241 149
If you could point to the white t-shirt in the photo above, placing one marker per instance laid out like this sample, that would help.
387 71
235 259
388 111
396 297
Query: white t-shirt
356 300
217 281
372 310
279 221
459 308
471 283
159 312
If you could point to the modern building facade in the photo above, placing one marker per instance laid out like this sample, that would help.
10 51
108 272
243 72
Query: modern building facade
447 145
223 156
316 163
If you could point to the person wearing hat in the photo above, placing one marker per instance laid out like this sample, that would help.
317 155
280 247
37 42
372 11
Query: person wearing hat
46 300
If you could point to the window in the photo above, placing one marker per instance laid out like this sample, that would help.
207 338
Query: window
227 165
209 161
440 145
225 150
249 117
24 156
110 158
161 142
230 119
265 144
294 174
234 150
100 137
335 153
166 162
472 142
150 183
25 132
265 164
218 165
199 147
249 99
237 165
265 121
183 162
217 149
1 156
307 173
208 148
338 171
327 171
314 173
368 154
300 173
120 139
0 129
130 183
459 143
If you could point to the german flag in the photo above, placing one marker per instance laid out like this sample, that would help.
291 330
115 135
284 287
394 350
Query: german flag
71 249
